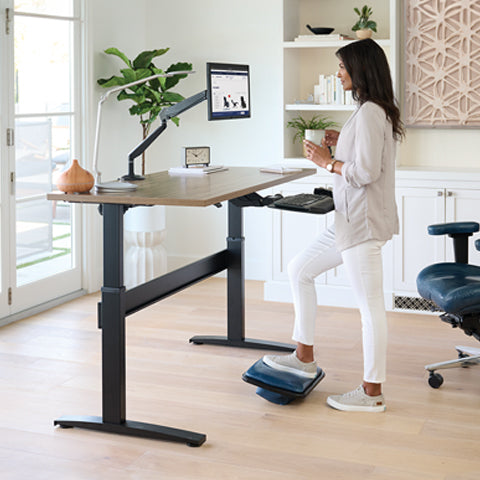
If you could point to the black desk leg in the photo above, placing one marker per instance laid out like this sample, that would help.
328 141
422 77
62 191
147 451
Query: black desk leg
236 293
113 348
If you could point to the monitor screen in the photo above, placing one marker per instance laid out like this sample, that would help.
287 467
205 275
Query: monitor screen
228 90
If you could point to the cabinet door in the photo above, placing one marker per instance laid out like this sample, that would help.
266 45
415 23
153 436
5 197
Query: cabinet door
413 247
462 205
293 232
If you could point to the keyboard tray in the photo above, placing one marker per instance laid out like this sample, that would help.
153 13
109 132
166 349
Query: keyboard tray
306 203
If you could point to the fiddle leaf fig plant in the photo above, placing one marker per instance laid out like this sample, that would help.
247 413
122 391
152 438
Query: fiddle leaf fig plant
151 97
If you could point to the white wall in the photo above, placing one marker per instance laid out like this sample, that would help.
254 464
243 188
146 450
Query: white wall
220 30
440 148
230 31
109 23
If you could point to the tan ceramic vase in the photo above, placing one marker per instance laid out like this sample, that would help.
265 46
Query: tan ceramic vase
364 33
75 180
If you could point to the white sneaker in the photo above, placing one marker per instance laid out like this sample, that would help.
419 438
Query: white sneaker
290 363
357 401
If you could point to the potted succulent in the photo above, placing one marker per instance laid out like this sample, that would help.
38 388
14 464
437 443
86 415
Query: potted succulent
364 26
312 129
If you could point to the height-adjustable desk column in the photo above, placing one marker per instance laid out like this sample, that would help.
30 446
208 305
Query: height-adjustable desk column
236 292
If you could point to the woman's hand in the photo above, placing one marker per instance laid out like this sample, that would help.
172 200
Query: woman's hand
320 155
331 137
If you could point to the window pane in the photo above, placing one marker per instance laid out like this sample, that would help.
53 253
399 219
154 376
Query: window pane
43 228
42 65
47 7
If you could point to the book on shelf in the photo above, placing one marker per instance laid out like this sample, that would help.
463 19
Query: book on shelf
329 91
334 37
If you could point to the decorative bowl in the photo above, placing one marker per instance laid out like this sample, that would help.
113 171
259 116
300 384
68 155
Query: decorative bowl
320 30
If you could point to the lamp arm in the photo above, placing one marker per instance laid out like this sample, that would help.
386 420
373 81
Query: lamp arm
103 99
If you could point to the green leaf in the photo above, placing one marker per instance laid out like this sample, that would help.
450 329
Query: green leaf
129 74
136 97
113 81
177 67
172 97
176 121
143 73
118 53
144 59
141 109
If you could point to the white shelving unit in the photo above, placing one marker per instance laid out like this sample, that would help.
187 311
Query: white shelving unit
305 61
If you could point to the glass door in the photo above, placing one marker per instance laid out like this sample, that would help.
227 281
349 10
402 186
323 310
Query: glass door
44 100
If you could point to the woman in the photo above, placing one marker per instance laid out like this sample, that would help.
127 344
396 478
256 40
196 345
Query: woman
365 218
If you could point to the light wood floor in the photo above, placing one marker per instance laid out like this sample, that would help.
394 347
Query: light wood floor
50 366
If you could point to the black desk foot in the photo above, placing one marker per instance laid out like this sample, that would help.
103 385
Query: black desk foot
136 429
245 343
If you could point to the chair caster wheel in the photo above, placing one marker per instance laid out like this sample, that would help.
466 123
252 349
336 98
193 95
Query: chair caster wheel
435 380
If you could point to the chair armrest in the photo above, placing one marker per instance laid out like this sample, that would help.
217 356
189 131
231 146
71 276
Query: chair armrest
459 231
454 228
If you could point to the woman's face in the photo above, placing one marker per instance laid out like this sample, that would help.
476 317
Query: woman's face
344 77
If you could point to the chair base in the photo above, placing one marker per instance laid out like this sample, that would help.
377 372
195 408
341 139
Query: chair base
280 387
468 356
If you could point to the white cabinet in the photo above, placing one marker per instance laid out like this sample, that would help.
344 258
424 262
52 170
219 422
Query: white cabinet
305 61
423 198
419 207
292 232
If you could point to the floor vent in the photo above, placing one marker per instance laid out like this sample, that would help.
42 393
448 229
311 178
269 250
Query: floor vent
415 303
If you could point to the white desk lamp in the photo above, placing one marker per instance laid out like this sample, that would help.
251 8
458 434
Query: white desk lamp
118 185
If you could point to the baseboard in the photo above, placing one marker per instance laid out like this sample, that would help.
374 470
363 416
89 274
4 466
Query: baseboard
41 308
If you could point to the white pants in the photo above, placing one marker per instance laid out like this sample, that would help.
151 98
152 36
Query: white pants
364 267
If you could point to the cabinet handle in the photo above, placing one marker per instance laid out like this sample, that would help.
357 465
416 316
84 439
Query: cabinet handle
440 193
449 194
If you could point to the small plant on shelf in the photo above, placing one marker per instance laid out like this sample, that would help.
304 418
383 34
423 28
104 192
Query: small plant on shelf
364 26
300 125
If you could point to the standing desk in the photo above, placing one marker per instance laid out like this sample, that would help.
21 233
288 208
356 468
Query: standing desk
117 302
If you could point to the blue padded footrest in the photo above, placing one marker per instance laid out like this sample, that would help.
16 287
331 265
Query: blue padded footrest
277 386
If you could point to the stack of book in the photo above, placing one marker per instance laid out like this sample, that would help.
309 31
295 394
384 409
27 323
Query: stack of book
329 91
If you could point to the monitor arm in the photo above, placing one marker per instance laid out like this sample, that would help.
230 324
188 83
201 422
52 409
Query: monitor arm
165 115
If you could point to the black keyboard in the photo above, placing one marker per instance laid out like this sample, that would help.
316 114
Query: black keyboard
306 202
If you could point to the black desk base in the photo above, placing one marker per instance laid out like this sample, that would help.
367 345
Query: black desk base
136 429
242 343
117 303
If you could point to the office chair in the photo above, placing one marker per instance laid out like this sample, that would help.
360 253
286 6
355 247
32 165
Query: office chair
455 288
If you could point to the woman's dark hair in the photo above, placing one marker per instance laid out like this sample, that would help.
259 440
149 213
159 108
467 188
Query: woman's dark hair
367 65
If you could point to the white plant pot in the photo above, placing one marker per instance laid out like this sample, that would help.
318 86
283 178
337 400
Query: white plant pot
144 234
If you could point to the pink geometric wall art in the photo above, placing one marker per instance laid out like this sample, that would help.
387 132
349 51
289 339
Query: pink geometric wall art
442 63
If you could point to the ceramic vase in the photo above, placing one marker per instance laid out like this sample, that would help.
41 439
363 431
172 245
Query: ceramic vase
364 33
75 179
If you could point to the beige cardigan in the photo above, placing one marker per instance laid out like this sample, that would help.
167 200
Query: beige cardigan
364 194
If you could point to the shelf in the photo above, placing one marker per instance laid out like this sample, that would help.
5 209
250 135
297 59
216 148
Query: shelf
317 107
330 43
